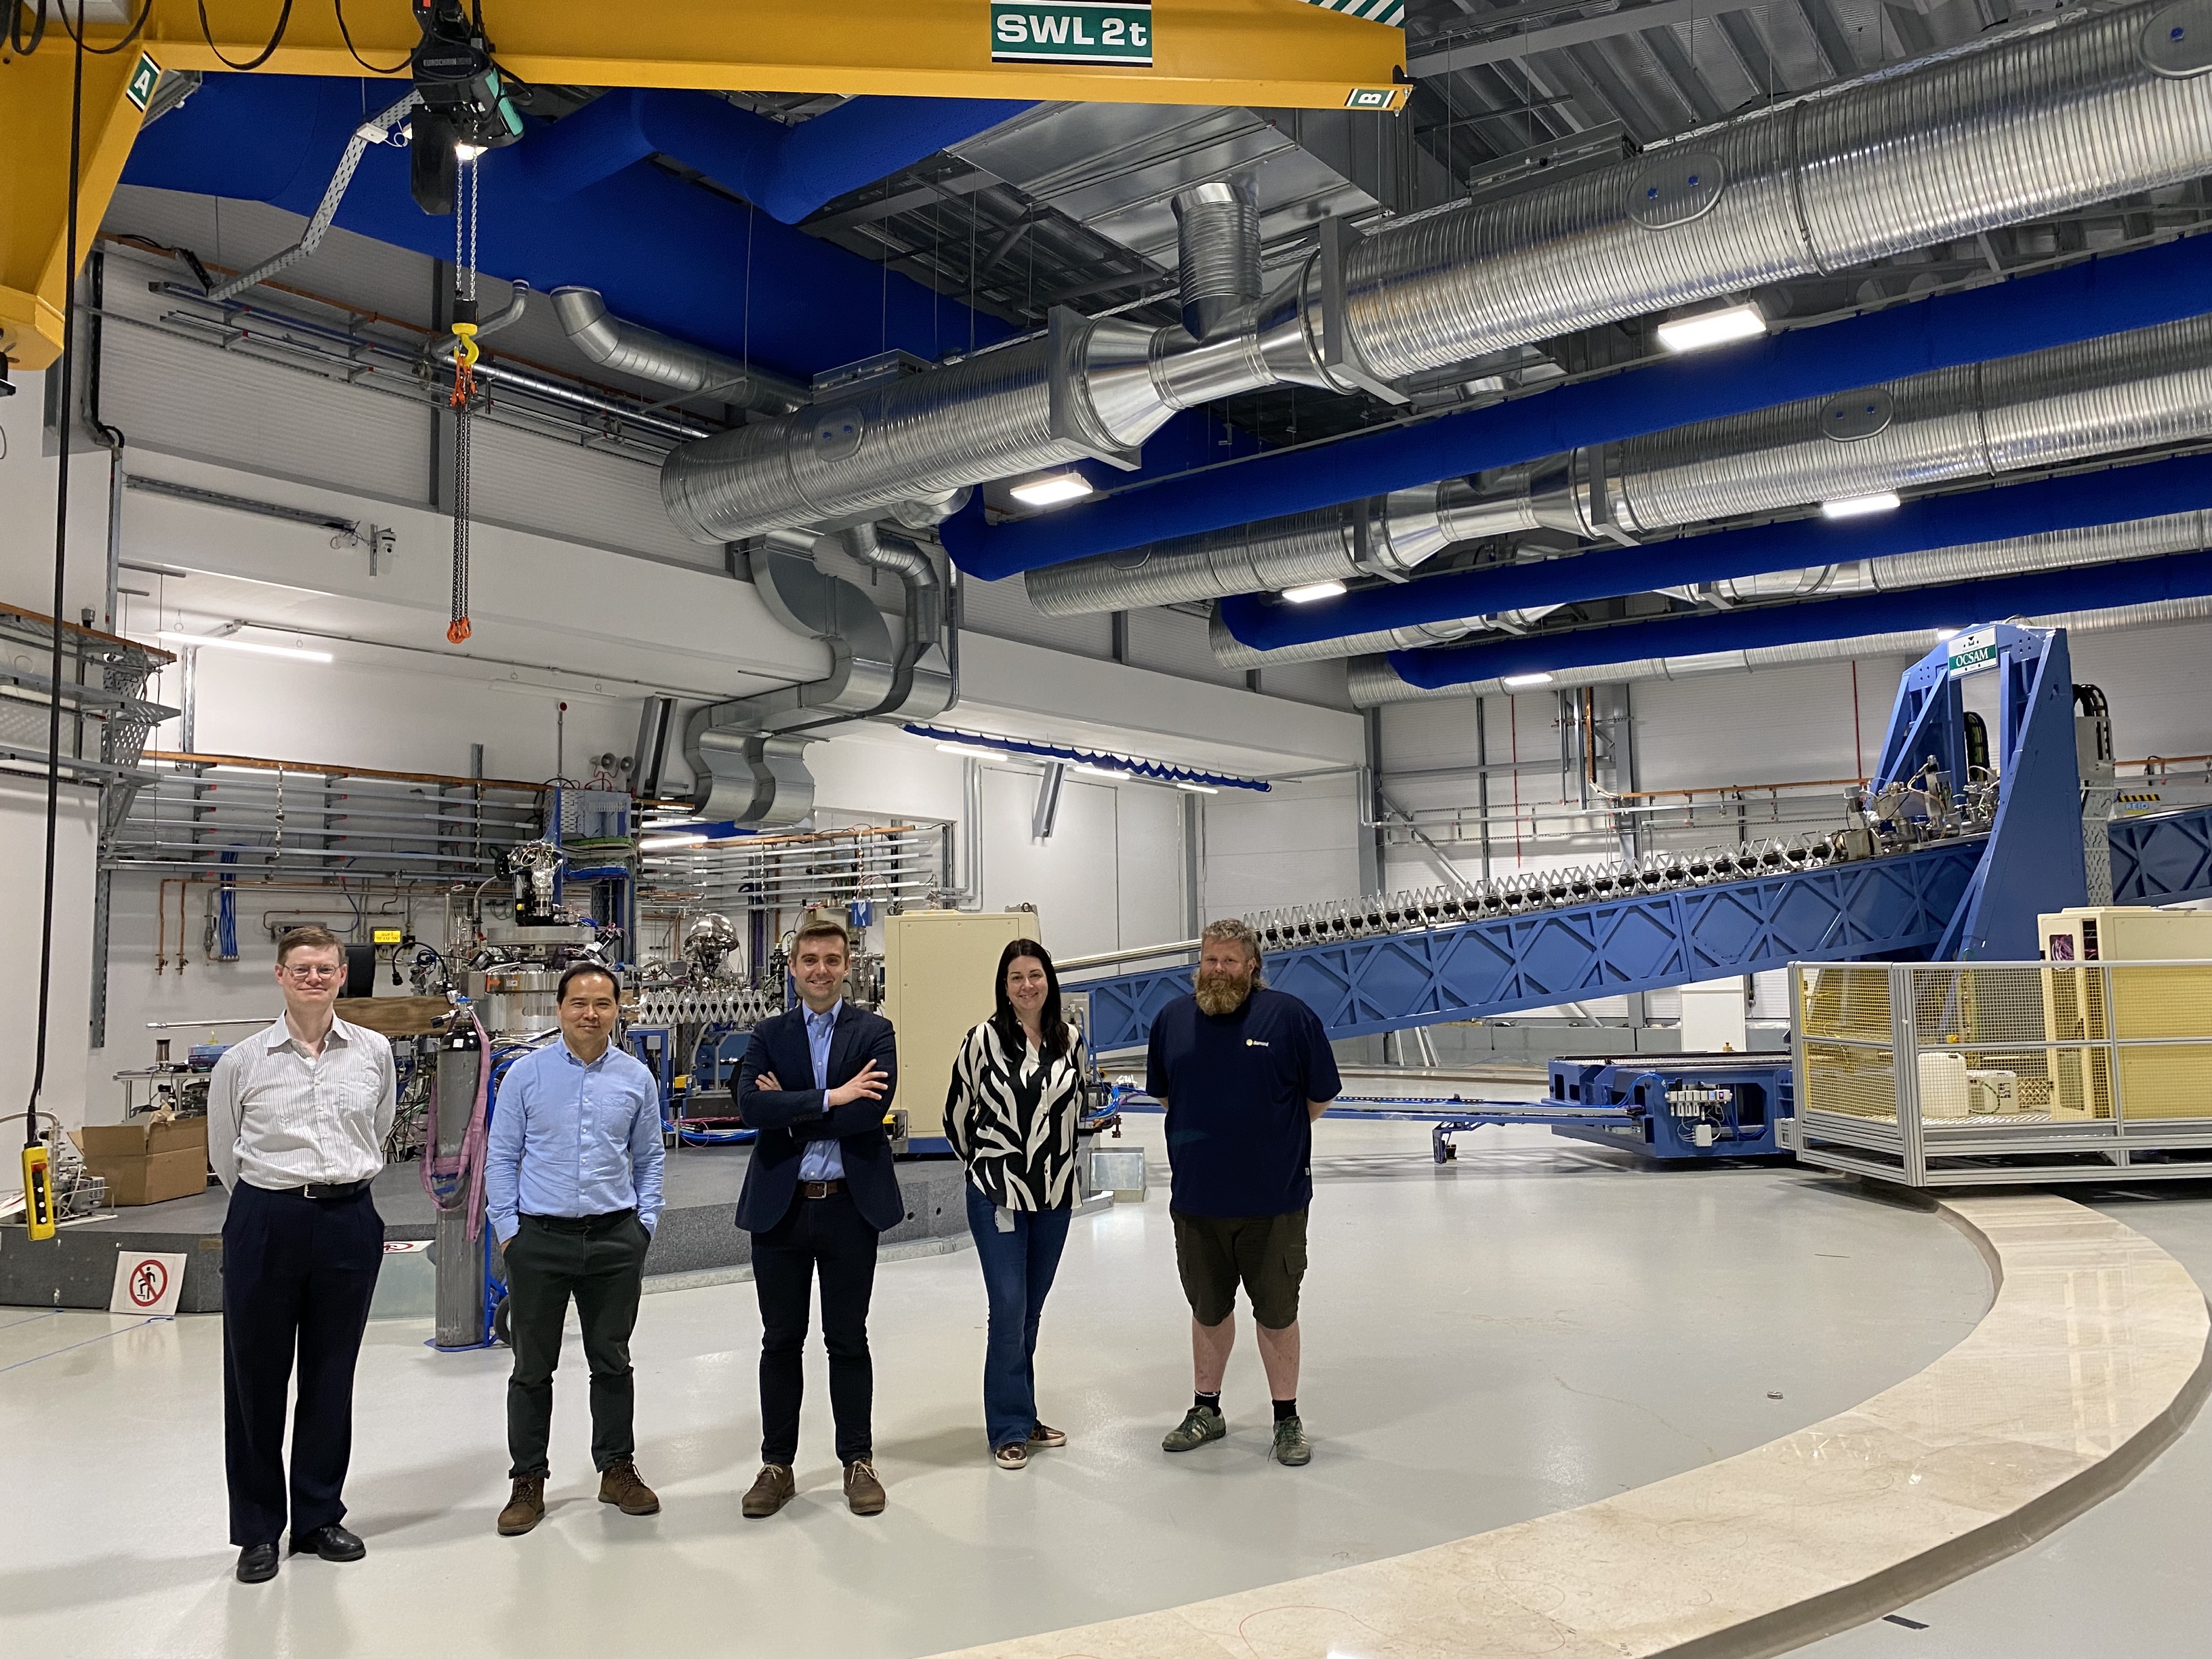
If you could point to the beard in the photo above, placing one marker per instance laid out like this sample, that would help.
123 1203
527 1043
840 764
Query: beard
1223 993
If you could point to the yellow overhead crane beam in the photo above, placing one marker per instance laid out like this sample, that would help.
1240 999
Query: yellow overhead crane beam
1278 53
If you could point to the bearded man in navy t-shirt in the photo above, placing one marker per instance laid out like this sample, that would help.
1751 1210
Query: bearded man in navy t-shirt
1242 1072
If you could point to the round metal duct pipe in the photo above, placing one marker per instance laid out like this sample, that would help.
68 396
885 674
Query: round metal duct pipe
2056 549
1374 683
1216 255
2120 392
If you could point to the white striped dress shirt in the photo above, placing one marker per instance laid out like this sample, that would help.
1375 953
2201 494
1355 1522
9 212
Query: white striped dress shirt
278 1117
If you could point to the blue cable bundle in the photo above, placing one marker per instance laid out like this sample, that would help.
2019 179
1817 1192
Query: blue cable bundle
226 913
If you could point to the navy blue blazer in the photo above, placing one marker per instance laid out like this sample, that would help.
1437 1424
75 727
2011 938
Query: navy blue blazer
788 1118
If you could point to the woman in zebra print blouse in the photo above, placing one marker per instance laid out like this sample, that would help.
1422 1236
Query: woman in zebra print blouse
1010 1115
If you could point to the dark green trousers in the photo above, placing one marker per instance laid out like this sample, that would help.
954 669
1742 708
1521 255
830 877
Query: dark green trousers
600 1261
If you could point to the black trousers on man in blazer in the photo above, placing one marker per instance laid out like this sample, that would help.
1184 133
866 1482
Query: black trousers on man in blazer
797 1239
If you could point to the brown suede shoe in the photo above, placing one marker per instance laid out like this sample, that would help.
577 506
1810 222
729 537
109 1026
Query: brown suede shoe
525 1508
619 1484
864 1493
772 1489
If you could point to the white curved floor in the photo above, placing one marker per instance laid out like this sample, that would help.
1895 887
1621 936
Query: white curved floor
1536 1327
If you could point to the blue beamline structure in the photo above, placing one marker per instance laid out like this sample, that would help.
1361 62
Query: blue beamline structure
1897 906
1930 892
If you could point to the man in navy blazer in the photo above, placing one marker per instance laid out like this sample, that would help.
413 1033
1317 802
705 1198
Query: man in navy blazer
819 1189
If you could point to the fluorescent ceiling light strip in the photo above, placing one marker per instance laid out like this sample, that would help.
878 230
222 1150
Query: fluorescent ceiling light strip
1526 679
1309 591
1052 491
1855 507
969 749
224 642
661 844
1711 328
1196 788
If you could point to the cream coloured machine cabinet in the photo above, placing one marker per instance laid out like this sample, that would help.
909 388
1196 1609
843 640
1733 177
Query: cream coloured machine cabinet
2156 1007
938 968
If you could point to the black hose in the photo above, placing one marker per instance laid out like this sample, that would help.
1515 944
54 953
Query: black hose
61 577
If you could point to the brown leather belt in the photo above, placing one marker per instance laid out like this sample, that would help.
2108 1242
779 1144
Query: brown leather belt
820 1188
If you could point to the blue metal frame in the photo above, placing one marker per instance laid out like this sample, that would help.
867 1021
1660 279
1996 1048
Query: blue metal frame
2162 859
2035 862
1640 1083
1890 907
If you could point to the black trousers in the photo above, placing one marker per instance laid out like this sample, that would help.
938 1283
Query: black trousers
297 1276
600 1261
825 1237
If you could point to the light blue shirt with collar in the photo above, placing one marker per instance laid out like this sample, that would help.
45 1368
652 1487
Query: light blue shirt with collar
823 1160
570 1138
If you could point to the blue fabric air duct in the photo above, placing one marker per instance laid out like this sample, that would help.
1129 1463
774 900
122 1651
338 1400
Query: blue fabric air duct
785 172
2107 296
594 213
2134 581
2076 502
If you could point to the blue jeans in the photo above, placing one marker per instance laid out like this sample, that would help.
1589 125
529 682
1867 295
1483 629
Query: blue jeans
1017 1271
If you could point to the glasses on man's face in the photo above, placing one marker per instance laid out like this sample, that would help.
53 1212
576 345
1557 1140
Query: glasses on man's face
309 972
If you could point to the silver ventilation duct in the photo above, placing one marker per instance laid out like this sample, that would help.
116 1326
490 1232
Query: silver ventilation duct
2056 549
649 355
1218 250
2150 386
2059 116
1374 683
1390 538
747 754
2075 112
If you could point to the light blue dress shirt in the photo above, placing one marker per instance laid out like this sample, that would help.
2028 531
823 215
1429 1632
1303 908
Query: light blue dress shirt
823 1160
570 1138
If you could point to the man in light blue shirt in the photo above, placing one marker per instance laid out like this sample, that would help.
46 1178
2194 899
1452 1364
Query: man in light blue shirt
572 1189
823 1160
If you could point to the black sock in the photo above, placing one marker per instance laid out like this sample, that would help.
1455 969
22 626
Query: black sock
1211 1401
1287 1408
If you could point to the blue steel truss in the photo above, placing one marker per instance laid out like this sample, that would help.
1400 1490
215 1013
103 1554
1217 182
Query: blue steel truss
2162 860
1893 907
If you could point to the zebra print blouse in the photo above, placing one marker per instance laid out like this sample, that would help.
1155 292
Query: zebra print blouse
1012 1124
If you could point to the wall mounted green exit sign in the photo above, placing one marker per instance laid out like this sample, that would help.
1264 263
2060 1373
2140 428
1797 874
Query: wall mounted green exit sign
1071 31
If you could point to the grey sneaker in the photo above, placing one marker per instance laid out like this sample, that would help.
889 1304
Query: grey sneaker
1291 1447
1198 1426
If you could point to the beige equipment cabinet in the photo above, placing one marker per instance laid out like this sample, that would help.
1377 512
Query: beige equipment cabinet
2163 1081
938 971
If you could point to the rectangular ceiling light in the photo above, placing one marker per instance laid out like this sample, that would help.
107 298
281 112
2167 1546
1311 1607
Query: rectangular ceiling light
1312 591
1052 490
1855 507
662 843
1526 679
975 749
1196 788
225 642
1711 328
1098 771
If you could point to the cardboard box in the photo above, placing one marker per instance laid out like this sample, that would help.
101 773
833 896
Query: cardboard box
145 1162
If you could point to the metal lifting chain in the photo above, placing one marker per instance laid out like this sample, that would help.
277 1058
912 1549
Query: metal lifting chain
465 353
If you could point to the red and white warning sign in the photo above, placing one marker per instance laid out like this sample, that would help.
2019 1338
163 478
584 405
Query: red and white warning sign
147 1282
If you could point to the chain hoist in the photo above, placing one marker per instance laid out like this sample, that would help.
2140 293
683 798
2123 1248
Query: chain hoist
464 397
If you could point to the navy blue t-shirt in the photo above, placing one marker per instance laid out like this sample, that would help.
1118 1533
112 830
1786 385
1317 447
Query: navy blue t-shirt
1240 1139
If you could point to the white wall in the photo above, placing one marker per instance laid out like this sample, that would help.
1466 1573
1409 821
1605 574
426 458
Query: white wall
1297 844
23 853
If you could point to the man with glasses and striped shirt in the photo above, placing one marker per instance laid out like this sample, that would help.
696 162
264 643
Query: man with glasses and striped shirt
297 1117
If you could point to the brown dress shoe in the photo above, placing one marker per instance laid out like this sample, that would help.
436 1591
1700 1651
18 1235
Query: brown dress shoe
864 1493
619 1484
525 1508
772 1489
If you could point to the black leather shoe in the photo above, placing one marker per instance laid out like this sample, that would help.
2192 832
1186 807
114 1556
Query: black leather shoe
333 1543
257 1564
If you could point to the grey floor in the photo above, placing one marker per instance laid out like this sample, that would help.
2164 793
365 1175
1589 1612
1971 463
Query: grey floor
2129 1578
1539 1324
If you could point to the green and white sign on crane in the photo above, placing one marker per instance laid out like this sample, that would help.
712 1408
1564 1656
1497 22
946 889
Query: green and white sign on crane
1072 32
